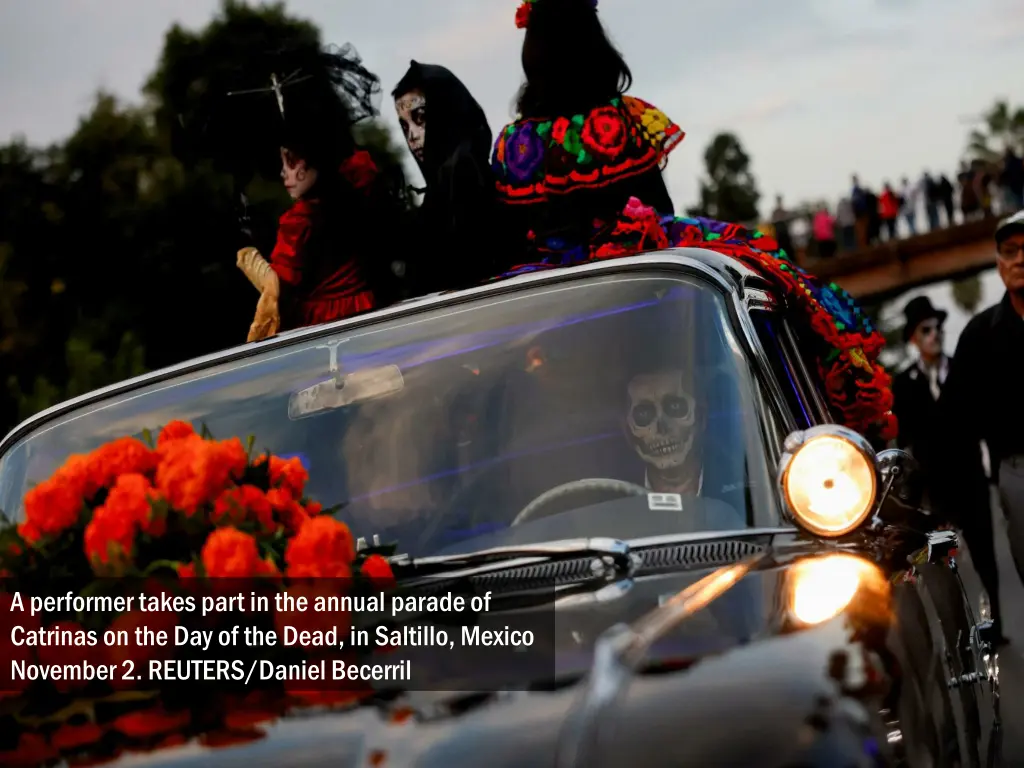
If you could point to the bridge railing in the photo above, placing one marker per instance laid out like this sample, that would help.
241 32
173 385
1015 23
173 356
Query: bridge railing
902 250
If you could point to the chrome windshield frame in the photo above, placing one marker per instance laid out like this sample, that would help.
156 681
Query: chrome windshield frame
729 276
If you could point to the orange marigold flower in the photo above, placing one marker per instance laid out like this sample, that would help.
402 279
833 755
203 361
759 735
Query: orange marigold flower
51 508
78 472
120 457
289 512
323 548
132 497
242 504
378 570
288 474
29 532
110 541
194 472
230 553
174 430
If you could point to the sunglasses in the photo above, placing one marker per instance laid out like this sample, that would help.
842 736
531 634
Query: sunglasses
929 329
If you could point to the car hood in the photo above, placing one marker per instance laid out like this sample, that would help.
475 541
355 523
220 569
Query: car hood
742 680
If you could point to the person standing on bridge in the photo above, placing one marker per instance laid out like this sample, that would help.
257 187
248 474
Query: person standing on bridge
916 391
981 397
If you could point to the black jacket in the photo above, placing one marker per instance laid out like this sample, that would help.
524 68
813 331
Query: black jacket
981 399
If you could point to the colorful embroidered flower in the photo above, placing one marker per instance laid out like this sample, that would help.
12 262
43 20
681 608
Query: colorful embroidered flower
836 308
605 132
572 141
559 128
524 152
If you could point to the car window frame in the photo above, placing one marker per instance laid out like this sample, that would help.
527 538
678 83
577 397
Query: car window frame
803 398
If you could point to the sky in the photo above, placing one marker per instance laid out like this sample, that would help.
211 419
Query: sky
815 89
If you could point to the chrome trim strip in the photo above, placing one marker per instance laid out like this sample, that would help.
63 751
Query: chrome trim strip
670 539
726 273
816 399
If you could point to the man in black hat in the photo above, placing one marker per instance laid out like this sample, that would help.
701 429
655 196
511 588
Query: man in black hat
981 399
917 387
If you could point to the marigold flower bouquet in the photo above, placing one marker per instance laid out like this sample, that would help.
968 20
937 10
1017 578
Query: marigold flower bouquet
183 514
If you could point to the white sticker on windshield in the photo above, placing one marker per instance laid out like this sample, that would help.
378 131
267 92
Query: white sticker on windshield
669 502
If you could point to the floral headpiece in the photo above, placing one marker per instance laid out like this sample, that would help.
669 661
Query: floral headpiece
523 12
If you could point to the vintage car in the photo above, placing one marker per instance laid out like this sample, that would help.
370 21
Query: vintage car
638 449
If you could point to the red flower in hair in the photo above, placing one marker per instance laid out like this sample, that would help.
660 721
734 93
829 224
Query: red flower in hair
523 14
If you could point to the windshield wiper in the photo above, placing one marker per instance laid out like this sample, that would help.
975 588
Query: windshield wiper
607 553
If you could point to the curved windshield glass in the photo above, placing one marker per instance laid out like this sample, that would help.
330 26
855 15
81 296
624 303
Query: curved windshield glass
603 406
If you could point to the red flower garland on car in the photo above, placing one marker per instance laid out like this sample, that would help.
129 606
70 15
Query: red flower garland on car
846 346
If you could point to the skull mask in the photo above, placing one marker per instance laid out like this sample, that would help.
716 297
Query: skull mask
662 419
412 116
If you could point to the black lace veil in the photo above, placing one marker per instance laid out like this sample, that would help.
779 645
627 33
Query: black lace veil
305 98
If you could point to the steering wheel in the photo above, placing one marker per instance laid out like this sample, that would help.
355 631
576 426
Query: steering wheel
613 488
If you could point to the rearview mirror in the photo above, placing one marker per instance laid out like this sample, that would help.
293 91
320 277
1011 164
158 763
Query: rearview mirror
345 390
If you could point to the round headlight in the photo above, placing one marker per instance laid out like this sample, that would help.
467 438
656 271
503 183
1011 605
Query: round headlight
829 481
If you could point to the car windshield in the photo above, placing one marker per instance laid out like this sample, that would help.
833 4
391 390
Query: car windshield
449 429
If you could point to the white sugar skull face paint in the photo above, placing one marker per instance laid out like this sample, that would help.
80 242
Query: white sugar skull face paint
412 116
662 419
298 177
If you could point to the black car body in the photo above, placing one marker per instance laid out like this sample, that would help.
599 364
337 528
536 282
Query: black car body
696 619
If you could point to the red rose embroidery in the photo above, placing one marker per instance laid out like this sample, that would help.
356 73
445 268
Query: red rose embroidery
558 129
604 132
360 170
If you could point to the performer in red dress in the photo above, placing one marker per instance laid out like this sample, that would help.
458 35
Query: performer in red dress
325 265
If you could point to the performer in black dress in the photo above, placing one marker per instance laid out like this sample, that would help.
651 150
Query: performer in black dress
447 132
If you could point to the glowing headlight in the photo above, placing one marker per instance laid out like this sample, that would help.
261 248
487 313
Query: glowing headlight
829 480
823 587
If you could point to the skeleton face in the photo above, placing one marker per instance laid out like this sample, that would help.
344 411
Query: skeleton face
412 116
662 418
298 177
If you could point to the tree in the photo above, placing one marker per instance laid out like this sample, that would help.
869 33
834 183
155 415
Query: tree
117 246
1003 128
729 191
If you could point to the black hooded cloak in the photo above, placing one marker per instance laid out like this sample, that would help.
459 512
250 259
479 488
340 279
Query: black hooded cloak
461 239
